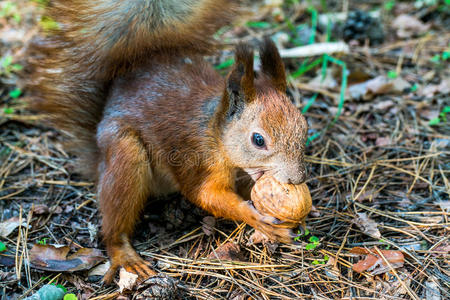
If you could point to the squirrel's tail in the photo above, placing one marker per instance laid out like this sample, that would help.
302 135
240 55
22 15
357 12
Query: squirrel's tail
96 40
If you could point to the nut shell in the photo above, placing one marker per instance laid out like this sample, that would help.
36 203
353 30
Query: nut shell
287 202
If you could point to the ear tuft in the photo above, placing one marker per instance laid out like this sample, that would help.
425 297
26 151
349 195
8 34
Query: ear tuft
272 64
241 78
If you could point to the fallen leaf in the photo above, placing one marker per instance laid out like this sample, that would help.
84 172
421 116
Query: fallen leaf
408 26
378 86
382 141
432 291
396 287
160 286
327 82
374 263
227 251
441 250
367 225
445 205
7 259
127 280
100 270
368 195
331 269
8 226
56 209
208 224
52 258
430 90
40 209
92 229
429 114
162 265
383 105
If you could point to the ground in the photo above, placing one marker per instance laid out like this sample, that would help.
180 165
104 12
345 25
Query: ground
378 168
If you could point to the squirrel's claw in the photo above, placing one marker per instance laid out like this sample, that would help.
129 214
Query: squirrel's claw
131 262
267 225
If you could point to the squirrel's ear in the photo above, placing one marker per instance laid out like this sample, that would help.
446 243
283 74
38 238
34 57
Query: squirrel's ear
272 65
240 82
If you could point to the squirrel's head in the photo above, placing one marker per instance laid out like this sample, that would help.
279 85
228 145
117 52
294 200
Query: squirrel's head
263 132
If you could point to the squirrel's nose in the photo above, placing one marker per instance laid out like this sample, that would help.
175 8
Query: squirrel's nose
299 178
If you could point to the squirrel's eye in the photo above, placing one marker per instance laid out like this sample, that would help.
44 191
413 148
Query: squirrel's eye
258 140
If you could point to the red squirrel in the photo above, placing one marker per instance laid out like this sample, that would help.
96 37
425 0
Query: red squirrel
148 116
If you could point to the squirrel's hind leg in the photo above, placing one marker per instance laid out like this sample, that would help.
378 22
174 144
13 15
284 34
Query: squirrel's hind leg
123 188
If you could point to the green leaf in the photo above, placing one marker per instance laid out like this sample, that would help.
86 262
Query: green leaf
446 109
8 110
17 17
15 93
445 55
16 67
6 61
2 247
310 246
389 5
258 24
70 297
62 287
392 74
314 239
316 262
436 58
48 23
306 231
414 87
326 258
434 121
228 63
43 241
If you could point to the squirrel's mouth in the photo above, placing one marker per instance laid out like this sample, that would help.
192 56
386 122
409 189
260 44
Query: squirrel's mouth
255 174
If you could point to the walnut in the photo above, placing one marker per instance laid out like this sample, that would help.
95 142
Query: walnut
287 202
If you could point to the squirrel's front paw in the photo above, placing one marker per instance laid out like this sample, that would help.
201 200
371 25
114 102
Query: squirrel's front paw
267 225
126 257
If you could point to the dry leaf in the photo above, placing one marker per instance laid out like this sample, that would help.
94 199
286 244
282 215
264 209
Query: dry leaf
444 205
208 224
100 270
430 90
378 86
367 225
328 82
382 141
52 258
40 209
383 105
374 263
8 226
159 286
127 280
331 269
227 251
432 289
408 26
394 287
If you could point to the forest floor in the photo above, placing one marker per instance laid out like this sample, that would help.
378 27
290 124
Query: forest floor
378 163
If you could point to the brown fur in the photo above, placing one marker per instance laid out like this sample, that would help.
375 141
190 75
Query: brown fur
98 40
169 122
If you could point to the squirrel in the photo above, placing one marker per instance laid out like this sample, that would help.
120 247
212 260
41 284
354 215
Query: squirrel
148 116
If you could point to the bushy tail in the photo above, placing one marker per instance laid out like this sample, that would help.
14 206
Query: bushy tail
96 40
